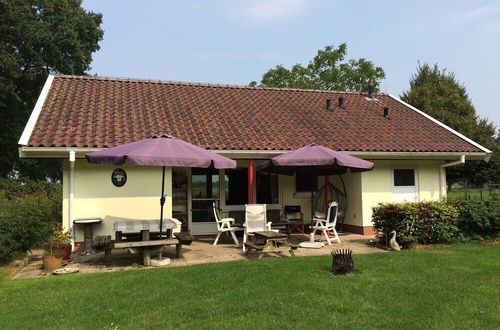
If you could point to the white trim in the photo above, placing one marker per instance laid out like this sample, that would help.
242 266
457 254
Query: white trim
71 199
417 178
441 124
442 174
53 152
28 129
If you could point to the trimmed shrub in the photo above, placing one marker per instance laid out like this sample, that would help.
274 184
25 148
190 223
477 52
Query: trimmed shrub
424 222
28 212
479 220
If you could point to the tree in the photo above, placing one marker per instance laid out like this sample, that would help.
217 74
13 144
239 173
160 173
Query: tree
326 71
439 94
38 37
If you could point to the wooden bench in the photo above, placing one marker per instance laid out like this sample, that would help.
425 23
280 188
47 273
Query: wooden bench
104 243
145 246
257 247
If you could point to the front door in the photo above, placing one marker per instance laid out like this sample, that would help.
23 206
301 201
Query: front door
205 189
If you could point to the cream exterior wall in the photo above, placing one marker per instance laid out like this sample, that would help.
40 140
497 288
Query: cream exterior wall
97 197
377 184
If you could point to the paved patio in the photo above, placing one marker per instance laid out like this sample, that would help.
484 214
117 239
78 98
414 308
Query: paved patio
199 252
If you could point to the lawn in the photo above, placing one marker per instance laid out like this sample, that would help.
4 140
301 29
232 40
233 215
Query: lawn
472 194
438 288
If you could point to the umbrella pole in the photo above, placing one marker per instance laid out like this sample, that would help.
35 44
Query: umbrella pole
345 193
162 202
312 196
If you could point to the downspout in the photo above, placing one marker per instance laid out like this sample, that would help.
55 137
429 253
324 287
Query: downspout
443 173
71 199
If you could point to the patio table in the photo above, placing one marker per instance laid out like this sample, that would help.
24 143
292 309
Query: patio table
270 241
145 245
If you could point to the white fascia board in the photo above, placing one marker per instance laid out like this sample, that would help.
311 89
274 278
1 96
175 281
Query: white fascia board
463 137
28 129
53 152
62 152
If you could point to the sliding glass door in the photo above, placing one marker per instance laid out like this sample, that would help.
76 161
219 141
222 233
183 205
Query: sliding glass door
205 189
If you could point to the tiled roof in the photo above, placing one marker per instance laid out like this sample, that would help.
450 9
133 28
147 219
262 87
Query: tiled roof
105 112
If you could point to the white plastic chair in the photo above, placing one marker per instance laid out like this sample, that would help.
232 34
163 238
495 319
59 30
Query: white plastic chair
255 220
225 225
326 224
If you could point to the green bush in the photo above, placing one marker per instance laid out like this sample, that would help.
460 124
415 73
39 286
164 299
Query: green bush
479 220
425 222
28 212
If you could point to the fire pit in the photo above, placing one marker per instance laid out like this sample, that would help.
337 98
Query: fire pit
342 263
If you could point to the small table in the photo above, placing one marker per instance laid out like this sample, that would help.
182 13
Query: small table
266 241
289 226
87 232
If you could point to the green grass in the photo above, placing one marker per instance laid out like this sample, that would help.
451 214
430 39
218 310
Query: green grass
475 194
447 287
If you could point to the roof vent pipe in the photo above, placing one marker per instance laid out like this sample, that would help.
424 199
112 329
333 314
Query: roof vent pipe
341 102
386 112
370 89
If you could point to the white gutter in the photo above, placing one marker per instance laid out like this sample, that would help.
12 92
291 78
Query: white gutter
463 137
36 112
443 173
62 152
71 199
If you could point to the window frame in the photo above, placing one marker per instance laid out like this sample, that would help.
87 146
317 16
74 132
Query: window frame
415 171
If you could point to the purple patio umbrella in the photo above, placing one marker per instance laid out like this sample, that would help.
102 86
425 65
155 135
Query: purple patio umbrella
322 160
164 150
315 160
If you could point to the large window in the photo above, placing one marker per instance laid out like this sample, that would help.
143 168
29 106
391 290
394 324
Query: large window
305 183
205 189
236 186
205 183
267 188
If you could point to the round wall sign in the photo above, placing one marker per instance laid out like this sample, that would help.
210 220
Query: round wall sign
119 177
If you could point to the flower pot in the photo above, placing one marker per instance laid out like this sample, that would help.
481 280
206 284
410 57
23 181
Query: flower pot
65 251
51 262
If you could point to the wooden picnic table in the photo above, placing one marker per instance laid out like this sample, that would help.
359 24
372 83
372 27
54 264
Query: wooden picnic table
142 242
270 241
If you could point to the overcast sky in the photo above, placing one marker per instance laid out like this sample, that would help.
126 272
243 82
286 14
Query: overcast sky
235 42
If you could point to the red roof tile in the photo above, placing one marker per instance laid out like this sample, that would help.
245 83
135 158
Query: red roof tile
105 112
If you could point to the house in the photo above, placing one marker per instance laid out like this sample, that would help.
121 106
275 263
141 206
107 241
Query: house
75 115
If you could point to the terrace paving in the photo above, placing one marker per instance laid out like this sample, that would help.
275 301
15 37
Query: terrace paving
201 251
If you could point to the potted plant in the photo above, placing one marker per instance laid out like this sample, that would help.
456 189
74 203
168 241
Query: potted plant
54 249
62 241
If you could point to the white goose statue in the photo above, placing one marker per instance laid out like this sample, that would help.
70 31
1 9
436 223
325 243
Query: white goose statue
392 242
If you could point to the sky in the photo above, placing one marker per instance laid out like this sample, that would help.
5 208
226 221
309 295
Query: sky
236 41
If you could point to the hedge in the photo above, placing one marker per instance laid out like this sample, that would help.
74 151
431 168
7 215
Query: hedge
426 222
438 222
479 220
28 212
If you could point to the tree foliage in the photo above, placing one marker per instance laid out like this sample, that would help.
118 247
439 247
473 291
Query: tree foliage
439 94
327 70
38 37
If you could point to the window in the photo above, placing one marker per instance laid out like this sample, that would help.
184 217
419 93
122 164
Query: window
267 189
305 183
204 190
236 186
205 183
404 177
